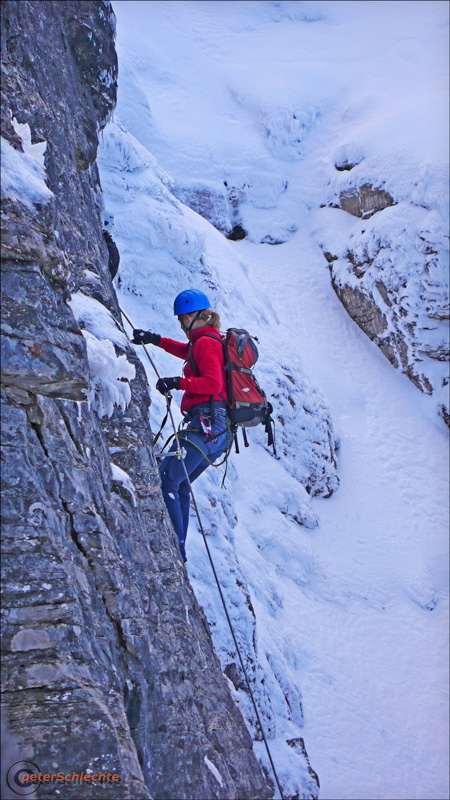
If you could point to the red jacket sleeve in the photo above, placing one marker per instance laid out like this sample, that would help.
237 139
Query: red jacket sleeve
209 360
178 349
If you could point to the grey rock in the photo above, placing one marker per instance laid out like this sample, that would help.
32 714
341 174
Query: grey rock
64 101
10 755
366 312
208 202
401 306
108 659
31 639
365 200
345 165
298 745
43 349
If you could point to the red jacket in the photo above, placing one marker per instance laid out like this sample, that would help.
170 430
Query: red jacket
208 355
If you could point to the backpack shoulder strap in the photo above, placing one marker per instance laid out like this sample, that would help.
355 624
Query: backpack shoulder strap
191 360
190 356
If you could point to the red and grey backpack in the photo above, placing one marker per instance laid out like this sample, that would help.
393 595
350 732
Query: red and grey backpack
247 404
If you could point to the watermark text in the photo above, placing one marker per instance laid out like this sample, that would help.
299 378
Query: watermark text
25 777
71 777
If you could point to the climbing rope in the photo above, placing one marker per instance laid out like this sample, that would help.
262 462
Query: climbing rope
180 454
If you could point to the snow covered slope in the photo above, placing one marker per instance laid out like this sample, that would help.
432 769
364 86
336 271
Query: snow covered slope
340 604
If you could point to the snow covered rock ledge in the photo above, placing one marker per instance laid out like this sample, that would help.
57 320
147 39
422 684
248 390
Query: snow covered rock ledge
384 233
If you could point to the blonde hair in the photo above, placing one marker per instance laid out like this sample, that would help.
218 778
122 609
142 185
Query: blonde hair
209 317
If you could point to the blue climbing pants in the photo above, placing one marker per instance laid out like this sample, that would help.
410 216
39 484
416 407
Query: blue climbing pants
174 485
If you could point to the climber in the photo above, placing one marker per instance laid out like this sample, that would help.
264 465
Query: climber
113 253
203 404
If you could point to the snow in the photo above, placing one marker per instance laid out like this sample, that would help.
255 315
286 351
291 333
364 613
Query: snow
23 172
122 477
96 318
109 376
213 770
109 373
340 604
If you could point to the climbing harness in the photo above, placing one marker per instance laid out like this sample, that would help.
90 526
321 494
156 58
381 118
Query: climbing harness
180 454
230 439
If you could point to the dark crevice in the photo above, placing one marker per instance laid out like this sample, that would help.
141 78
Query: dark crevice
237 233
72 531
69 429
35 427
346 166
37 604
118 628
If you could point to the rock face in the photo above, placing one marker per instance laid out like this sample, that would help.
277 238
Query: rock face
228 207
208 202
391 274
108 662
365 200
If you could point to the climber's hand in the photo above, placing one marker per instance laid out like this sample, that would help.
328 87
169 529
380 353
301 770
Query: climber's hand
164 385
145 337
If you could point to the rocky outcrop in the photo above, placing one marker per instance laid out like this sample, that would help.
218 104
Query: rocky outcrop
220 207
108 663
365 200
207 201
227 208
391 275
309 447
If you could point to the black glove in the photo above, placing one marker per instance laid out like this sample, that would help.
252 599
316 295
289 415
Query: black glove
164 385
145 337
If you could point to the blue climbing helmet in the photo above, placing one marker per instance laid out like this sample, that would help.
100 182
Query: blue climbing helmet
190 300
